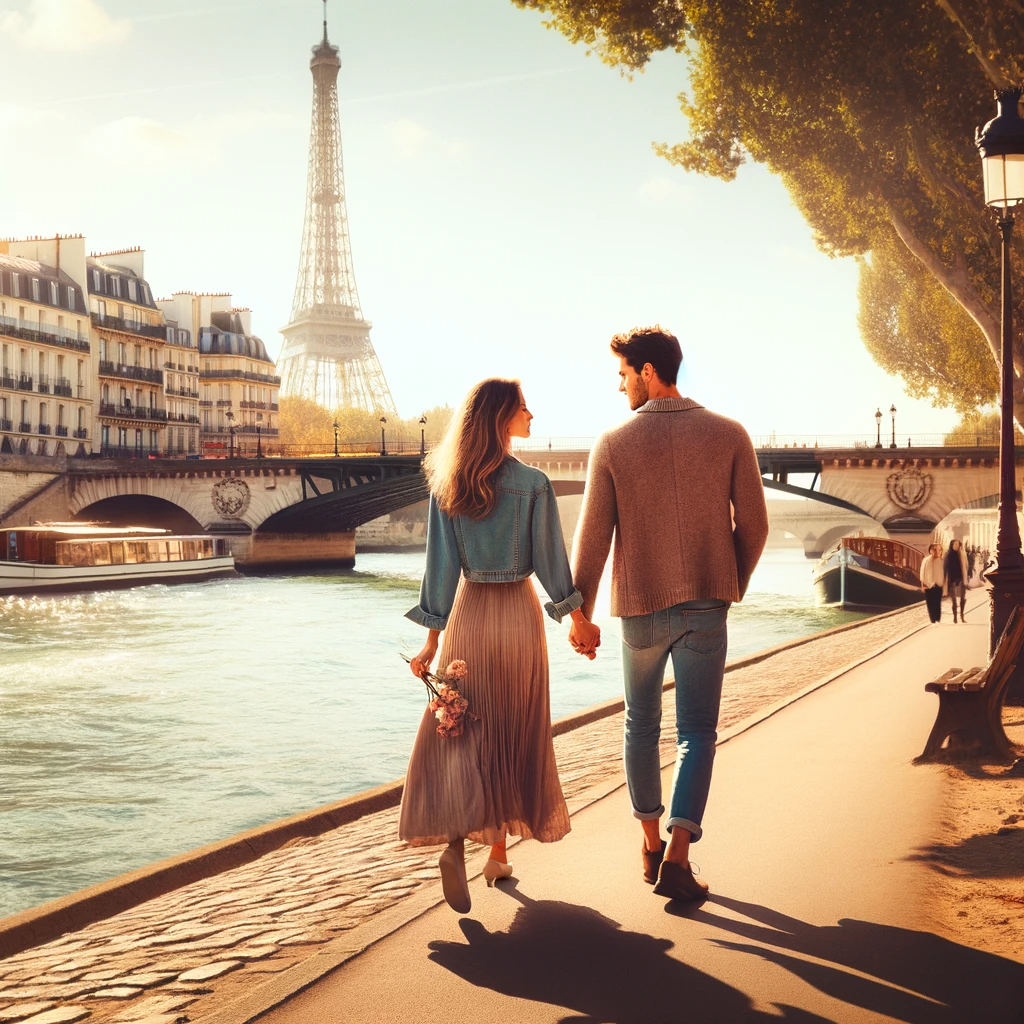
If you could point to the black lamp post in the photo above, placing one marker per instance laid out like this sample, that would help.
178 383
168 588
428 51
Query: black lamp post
383 443
423 435
878 428
259 447
892 413
231 434
336 428
1001 144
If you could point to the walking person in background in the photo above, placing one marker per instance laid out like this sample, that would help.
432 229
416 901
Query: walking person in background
492 523
932 581
679 489
955 571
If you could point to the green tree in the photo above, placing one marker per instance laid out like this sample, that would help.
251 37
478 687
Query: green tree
867 110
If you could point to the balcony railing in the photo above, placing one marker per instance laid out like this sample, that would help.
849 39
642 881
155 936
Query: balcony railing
62 386
181 417
110 369
81 432
223 402
24 383
60 431
24 428
205 403
246 429
272 406
263 378
116 323
6 424
109 451
43 385
6 381
132 412
28 330
44 428
182 393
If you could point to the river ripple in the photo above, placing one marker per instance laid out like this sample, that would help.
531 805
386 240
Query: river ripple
138 724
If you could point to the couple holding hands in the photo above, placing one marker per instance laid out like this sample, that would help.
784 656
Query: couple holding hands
678 491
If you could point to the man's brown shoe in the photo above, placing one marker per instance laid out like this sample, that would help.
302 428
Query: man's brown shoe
677 883
652 861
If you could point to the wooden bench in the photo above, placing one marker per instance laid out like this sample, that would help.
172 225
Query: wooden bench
971 703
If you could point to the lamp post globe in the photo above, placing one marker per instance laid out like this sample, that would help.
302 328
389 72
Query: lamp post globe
423 435
1001 146
878 428
892 413
336 429
383 442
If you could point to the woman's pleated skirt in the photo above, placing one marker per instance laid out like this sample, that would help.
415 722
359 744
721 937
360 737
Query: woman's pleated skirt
499 777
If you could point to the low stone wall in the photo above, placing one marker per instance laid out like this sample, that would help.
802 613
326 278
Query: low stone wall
23 478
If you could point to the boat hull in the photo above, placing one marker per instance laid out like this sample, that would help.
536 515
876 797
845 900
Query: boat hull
864 589
40 578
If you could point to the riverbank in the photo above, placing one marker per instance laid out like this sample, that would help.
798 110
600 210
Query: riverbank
238 926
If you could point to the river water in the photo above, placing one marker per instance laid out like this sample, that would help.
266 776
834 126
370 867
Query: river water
138 724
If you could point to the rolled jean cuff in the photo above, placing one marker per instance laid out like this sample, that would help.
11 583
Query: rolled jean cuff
419 616
691 826
562 608
648 815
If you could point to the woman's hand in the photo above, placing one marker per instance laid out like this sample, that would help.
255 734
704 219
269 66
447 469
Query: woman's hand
584 636
421 663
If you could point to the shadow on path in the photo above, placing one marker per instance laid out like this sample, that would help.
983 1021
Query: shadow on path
575 958
998 854
938 981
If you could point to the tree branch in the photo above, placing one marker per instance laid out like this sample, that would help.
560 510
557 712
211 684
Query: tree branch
991 68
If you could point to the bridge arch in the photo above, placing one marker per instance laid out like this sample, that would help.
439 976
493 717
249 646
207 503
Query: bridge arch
140 510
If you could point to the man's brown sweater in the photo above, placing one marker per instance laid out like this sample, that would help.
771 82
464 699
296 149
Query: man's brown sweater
680 490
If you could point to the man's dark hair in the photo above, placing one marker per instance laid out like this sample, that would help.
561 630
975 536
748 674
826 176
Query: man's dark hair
650 345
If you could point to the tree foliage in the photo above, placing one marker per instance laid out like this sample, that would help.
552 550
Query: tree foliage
304 422
867 110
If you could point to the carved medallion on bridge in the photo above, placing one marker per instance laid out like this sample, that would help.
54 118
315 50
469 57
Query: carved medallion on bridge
231 497
909 488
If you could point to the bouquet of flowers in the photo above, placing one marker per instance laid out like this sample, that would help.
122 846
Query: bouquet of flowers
450 708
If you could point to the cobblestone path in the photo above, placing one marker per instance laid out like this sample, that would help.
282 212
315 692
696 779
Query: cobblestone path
196 949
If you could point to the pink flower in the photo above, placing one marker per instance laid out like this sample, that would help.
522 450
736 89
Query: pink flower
456 671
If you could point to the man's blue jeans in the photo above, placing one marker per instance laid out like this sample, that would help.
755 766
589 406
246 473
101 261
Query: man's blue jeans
694 634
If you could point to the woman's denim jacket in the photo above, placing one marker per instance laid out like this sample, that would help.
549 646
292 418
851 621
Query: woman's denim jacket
521 536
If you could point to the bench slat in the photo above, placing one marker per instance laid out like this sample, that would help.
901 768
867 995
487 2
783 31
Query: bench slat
946 676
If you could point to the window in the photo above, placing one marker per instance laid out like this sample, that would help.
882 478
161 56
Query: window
132 293
122 353
78 328
35 289
81 418
105 436
138 440
16 285
101 308
97 281
60 324
106 394
42 414
153 444
54 293
71 298
122 437
138 355
60 415
115 286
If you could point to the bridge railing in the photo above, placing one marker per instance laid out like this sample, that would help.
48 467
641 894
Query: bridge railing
558 444
979 440
245 447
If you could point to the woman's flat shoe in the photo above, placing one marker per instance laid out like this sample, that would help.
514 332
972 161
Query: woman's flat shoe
453 881
494 871
652 862
678 883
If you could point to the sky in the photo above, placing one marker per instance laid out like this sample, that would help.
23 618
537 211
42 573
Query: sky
508 214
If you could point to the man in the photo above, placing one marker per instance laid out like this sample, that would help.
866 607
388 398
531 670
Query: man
679 489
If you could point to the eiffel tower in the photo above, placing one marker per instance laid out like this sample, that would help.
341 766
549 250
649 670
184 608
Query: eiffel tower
327 354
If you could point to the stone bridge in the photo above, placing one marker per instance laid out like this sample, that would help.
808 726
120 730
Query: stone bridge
272 511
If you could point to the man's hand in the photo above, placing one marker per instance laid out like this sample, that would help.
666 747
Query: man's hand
584 636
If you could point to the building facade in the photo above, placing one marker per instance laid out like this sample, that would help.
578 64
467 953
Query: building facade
46 387
181 376
238 382
130 339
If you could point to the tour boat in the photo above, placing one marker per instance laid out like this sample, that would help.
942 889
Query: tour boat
868 573
62 557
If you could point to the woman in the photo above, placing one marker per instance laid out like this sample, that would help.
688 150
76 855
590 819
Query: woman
955 570
932 581
494 522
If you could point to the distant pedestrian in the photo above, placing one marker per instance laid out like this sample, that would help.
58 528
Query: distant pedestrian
972 557
955 571
678 489
932 580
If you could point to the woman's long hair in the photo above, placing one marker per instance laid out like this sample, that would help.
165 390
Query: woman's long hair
462 472
953 555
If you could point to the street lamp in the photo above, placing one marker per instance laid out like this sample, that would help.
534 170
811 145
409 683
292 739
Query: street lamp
383 443
336 429
1001 145
892 413
259 449
231 434
878 428
423 435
